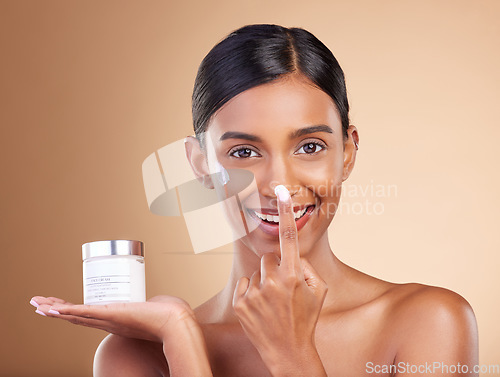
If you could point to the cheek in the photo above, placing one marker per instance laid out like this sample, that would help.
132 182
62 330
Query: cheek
323 179
325 182
232 196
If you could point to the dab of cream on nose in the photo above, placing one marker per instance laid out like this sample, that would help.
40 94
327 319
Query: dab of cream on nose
282 193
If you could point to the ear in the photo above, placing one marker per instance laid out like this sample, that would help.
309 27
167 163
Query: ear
350 149
197 158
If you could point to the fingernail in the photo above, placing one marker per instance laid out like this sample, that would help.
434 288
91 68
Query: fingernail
52 311
282 193
40 312
34 303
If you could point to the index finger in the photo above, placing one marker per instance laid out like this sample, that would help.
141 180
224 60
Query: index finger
289 243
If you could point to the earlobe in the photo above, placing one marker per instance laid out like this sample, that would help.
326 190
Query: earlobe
351 146
198 161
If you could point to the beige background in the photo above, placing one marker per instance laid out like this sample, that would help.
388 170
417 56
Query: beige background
90 88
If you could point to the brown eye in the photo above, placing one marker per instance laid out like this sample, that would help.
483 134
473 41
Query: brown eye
310 148
243 153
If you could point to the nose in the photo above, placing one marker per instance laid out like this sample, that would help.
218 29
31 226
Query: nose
278 171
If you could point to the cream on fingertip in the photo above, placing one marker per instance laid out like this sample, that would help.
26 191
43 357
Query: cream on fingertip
282 193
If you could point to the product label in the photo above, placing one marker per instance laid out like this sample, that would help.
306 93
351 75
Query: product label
106 280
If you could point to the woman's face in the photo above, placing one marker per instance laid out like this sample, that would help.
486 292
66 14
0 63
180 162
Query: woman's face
286 132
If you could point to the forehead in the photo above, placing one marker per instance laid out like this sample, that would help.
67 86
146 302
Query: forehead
288 103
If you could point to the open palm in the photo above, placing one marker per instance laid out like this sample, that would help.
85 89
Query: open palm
143 320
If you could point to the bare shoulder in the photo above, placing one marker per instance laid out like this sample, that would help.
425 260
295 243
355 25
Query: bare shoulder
432 321
424 302
120 356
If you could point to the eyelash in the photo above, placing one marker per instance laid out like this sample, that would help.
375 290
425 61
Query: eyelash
243 147
316 142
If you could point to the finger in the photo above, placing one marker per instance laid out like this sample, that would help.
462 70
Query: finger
55 310
240 289
83 321
59 300
79 320
268 266
312 279
102 312
36 301
254 281
289 244
96 323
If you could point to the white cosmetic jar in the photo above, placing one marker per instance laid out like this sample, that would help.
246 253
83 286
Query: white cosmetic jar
113 271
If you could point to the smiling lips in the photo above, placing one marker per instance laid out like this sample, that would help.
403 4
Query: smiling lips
268 219
275 218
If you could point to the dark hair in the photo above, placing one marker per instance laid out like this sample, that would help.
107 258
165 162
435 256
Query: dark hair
258 54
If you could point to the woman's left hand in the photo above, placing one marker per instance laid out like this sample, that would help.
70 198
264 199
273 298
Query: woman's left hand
279 306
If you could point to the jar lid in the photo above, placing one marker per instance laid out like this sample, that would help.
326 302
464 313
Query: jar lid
112 247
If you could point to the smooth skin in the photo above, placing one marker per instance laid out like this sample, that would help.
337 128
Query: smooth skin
290 306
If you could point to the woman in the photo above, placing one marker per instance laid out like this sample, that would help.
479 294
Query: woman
272 100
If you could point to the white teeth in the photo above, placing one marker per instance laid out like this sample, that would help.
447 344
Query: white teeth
275 219
299 214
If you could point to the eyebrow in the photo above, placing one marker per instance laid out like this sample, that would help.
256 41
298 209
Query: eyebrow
293 135
310 130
